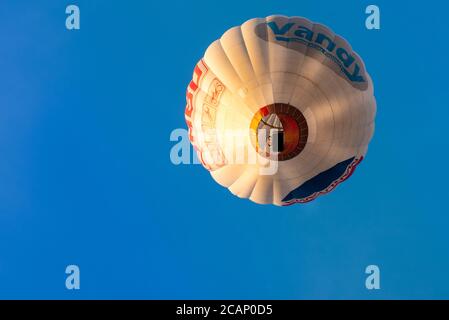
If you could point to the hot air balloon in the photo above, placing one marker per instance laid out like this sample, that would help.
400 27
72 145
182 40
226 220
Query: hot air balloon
280 110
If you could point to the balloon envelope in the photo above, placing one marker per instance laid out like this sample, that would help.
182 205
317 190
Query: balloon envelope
280 110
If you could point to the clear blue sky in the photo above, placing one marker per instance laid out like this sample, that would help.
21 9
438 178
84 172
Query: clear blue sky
86 177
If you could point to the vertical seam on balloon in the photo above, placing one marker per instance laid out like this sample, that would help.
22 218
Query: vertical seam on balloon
252 66
235 94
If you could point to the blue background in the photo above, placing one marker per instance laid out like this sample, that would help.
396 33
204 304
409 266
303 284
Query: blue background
86 177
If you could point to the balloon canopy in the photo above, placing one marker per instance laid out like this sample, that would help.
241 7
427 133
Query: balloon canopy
280 110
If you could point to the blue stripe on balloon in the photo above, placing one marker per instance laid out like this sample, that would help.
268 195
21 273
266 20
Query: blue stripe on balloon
319 182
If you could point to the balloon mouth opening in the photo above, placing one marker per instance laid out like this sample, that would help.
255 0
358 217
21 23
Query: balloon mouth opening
279 131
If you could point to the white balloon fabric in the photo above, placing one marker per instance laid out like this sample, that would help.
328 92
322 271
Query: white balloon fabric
280 110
